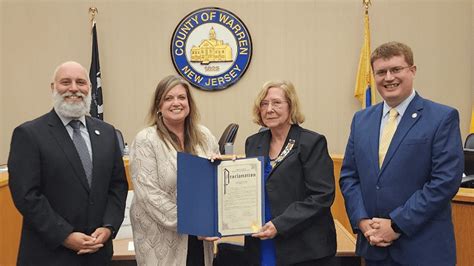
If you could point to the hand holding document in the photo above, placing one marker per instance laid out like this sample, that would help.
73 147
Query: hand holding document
226 157
268 231
221 198
208 238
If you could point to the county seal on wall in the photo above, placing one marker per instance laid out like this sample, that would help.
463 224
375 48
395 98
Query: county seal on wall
211 48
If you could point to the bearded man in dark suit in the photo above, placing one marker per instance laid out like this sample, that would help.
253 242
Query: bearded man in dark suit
67 179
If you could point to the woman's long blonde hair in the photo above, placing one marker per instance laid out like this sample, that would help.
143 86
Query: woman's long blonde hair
193 137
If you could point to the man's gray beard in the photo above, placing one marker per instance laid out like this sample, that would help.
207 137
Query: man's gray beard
71 110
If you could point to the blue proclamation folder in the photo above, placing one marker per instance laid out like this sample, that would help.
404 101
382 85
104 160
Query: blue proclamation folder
197 195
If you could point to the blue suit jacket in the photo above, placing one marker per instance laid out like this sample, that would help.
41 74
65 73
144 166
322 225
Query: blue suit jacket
420 174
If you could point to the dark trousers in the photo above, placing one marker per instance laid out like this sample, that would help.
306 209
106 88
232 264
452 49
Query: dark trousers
386 262
326 261
195 252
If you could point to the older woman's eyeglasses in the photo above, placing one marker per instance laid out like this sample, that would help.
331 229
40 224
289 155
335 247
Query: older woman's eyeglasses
393 70
277 104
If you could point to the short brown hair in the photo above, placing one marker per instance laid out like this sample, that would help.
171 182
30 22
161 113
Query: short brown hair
192 135
290 94
391 49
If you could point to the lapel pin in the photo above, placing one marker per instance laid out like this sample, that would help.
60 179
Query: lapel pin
414 115
97 132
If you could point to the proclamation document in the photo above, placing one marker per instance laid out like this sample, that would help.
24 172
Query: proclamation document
239 196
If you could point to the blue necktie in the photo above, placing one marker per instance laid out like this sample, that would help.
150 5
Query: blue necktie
81 148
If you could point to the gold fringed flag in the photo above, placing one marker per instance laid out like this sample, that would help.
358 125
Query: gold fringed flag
365 85
472 121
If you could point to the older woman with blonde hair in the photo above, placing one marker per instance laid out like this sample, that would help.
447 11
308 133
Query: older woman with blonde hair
174 126
299 189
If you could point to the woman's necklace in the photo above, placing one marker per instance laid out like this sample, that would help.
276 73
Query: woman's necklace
284 153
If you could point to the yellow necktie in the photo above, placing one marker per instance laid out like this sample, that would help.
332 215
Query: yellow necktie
387 134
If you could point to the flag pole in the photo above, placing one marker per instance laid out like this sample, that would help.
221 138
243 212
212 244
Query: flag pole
97 101
93 11
366 4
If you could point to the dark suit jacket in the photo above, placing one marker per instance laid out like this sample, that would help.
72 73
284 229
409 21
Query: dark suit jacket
50 189
301 191
420 174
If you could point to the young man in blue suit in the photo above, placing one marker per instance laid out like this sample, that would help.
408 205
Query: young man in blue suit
67 179
401 168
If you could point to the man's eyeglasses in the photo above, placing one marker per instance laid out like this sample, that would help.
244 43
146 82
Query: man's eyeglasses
393 70
277 104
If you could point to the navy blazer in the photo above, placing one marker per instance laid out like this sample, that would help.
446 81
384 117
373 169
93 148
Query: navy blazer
421 172
49 187
301 191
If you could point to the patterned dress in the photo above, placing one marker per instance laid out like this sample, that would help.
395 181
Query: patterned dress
153 211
